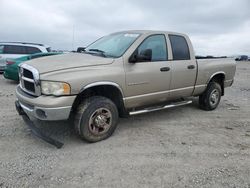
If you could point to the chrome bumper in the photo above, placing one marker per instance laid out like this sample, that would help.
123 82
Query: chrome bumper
45 107
49 114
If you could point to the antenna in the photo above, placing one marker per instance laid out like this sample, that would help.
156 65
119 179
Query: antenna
73 37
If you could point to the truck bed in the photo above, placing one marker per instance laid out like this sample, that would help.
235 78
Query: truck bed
208 67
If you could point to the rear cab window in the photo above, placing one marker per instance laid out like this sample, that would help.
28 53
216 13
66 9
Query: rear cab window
180 47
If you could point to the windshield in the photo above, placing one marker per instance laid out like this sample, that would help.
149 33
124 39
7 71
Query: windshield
113 45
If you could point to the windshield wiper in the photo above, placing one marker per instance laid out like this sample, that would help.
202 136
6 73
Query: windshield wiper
97 50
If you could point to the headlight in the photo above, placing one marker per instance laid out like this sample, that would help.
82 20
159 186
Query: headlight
55 88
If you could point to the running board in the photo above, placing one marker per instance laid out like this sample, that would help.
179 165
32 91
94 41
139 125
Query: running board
160 108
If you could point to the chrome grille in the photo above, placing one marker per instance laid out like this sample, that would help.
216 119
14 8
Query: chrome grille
29 80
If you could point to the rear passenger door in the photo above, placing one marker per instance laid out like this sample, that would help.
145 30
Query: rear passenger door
183 67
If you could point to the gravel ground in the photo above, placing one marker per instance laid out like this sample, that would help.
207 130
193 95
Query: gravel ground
179 147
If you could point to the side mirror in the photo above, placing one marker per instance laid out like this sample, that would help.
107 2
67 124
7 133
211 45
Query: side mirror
80 49
145 55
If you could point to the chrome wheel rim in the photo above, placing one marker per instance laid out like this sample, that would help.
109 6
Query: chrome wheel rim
100 121
214 97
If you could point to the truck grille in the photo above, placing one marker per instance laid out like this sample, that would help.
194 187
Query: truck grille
29 86
29 80
28 74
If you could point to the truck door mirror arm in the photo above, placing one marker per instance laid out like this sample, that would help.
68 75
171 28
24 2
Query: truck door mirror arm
80 49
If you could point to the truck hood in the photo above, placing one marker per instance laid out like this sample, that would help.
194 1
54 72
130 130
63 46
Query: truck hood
67 61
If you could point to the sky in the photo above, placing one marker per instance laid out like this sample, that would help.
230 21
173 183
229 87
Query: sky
216 27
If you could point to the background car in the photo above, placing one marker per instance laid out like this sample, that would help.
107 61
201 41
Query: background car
12 50
242 58
11 70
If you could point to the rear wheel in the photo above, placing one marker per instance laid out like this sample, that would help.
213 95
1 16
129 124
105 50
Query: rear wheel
96 119
210 99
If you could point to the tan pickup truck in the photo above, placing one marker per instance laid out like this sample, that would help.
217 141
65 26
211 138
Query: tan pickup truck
121 74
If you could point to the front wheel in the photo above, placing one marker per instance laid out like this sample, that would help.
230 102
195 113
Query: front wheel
96 119
210 99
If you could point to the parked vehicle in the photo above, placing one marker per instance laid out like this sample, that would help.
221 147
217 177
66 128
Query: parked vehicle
11 70
242 58
125 73
12 50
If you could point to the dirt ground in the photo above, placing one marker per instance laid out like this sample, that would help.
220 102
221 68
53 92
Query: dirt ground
179 147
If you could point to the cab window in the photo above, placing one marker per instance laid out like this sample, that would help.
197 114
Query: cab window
157 44
180 47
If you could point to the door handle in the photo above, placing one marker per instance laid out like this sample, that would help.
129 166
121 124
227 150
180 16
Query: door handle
190 66
164 69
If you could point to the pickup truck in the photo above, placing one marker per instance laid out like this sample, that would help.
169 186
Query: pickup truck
121 74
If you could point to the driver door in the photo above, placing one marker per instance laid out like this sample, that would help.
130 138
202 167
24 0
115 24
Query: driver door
148 81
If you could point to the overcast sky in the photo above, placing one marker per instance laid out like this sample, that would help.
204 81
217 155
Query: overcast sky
216 27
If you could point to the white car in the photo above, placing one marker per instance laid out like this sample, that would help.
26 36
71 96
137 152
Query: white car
12 50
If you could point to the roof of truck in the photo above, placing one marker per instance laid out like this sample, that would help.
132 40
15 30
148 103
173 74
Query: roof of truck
149 32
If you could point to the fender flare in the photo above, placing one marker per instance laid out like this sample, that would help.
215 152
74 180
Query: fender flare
214 74
102 83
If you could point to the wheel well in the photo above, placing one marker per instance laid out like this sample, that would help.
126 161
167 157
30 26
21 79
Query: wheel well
219 78
109 91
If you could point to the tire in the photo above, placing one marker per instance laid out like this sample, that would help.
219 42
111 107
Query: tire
210 99
96 119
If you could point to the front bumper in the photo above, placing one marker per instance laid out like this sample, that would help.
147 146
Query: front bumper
48 108
2 68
